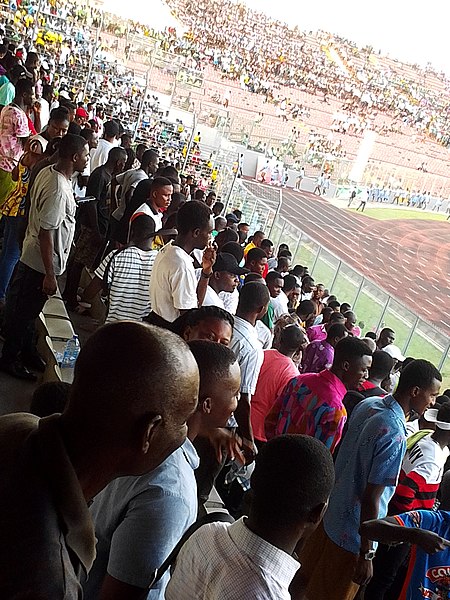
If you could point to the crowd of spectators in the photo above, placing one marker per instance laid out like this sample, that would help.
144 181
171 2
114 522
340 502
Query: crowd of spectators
261 53
221 367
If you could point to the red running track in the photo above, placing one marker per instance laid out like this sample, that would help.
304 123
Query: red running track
407 258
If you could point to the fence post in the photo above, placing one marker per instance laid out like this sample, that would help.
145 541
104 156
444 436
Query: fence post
444 357
315 260
233 183
253 211
141 107
358 293
294 254
277 212
411 333
335 276
282 231
380 321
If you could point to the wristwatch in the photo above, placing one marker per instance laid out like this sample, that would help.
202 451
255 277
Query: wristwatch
206 275
369 555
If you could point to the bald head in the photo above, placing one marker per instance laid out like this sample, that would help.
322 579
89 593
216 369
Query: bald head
134 388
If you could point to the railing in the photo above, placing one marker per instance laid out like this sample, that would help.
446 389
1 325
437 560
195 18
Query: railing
141 58
374 308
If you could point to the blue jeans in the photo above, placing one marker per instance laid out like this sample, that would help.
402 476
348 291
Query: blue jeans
10 252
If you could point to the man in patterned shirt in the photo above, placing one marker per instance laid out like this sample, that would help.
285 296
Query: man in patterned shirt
312 403
14 130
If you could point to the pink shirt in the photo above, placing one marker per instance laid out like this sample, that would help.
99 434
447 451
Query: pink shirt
310 404
276 372
316 332
13 126
318 356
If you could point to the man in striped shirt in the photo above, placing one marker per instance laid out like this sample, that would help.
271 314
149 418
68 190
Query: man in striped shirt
125 274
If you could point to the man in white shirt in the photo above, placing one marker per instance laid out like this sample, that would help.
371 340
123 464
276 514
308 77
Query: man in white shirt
308 287
253 303
99 156
252 558
173 285
226 272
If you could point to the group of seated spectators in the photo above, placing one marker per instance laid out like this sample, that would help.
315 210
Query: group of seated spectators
226 36
221 367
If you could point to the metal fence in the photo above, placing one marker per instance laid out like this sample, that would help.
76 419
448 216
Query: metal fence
374 308
149 83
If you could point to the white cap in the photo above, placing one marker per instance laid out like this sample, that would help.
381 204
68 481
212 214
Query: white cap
431 415
394 351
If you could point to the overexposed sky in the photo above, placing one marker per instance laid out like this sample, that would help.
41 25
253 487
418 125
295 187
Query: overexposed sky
413 31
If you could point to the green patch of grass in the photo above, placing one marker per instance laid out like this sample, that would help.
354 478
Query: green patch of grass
394 214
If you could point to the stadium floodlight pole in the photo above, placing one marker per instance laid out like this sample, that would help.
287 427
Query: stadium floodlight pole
190 142
93 53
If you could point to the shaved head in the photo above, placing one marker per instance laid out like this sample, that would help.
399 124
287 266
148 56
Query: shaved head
134 387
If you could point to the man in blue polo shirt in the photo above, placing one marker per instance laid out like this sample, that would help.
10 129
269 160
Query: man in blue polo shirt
367 470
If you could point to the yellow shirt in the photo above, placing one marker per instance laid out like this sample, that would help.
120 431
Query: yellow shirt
248 247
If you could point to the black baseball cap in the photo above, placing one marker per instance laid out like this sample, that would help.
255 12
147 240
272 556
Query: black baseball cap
227 262
232 218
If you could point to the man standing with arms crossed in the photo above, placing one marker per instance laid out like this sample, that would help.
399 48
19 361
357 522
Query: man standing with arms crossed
44 257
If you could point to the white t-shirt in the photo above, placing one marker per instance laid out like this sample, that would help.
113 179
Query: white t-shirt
264 335
280 306
212 298
100 155
173 285
144 209
128 181
129 279
427 458
45 112
230 300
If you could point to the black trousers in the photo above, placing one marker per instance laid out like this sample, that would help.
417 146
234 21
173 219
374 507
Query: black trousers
24 302
388 575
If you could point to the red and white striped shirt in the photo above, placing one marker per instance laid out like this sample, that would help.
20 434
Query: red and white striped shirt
420 476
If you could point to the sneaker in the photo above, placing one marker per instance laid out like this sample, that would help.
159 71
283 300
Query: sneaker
17 369
34 362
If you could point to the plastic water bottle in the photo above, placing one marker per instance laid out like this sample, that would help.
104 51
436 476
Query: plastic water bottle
71 352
